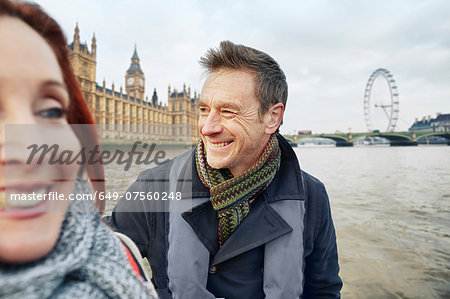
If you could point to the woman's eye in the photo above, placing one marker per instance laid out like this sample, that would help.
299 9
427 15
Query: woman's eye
53 113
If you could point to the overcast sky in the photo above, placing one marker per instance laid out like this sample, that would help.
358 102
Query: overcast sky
328 50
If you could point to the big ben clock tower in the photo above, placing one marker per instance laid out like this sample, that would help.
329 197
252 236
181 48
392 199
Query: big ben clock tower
134 78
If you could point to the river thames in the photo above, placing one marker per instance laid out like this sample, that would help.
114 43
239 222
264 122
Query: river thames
391 209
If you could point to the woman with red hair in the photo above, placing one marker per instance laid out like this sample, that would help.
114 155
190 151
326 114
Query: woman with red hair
50 248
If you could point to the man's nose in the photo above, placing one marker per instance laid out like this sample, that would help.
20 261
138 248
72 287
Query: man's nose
212 124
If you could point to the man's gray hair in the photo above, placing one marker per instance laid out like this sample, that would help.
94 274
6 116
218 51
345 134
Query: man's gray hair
271 85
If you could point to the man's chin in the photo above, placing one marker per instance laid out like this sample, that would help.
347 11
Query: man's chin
217 163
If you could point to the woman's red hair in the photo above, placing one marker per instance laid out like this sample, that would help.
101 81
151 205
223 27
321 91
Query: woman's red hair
78 112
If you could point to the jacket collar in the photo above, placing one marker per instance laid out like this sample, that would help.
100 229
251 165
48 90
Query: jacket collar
262 225
288 183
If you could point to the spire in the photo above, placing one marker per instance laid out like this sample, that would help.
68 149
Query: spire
77 30
135 54
94 45
154 97
134 66
76 36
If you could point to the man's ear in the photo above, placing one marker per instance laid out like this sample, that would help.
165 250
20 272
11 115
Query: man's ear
273 118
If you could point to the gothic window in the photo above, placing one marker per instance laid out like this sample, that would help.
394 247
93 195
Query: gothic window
181 107
85 69
173 119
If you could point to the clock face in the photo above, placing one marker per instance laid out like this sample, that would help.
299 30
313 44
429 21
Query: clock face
141 81
130 81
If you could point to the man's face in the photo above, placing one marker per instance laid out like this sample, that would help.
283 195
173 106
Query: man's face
230 126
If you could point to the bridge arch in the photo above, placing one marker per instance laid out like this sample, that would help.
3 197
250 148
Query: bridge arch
438 134
397 139
445 135
340 140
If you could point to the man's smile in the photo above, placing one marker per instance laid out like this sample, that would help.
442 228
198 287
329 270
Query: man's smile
220 144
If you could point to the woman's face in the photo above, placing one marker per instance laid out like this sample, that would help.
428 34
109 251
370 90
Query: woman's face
32 93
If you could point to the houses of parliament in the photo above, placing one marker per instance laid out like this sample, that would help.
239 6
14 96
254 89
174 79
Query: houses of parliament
125 115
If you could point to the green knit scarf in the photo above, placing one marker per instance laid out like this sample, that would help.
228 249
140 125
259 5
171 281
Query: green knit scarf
230 195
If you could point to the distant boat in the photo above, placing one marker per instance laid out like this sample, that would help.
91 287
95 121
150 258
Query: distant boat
291 143
308 144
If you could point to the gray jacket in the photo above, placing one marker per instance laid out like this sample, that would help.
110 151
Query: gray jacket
284 248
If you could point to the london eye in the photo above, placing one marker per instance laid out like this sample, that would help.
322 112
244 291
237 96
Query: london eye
390 106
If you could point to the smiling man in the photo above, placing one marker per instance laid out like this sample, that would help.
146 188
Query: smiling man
259 226
233 127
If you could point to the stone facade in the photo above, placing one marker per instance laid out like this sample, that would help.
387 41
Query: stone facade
130 115
441 123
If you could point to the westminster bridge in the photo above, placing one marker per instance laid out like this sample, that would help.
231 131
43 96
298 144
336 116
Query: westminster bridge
395 138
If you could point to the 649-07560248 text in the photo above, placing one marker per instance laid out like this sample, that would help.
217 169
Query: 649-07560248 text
164 196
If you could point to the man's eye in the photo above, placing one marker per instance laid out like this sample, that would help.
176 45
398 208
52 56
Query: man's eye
227 112
53 113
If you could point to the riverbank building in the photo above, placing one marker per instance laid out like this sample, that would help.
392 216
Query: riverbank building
125 115
441 123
